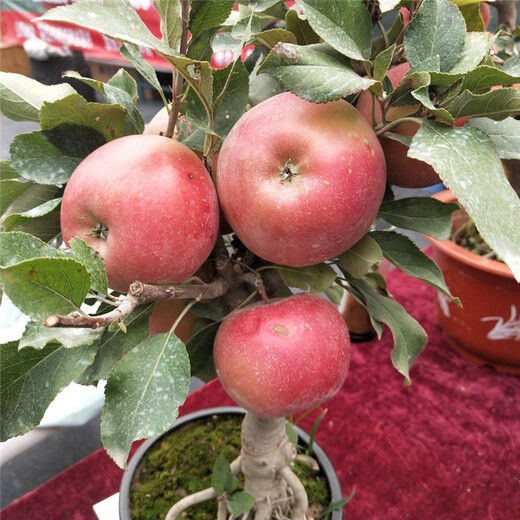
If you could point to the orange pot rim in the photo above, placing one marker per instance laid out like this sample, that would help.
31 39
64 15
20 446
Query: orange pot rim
453 250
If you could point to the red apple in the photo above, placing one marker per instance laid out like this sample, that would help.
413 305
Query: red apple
158 124
300 182
164 315
401 170
147 205
284 357
485 13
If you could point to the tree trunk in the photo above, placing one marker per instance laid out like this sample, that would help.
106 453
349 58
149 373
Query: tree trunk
265 458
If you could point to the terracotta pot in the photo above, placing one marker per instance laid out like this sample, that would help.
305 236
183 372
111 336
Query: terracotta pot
486 329
303 439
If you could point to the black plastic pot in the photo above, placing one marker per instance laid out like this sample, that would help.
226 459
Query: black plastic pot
324 462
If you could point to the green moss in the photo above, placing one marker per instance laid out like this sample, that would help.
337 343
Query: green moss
182 462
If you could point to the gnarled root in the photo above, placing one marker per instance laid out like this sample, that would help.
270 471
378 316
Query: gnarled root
264 461
266 455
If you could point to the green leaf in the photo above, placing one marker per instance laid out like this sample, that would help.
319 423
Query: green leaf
223 480
143 393
312 74
409 337
93 262
10 190
274 36
123 80
37 159
43 286
312 435
476 48
240 503
7 172
512 65
121 89
468 163
423 96
207 14
31 379
21 97
15 247
244 29
131 52
382 63
472 18
505 134
114 344
346 27
486 76
438 29
171 21
116 19
231 94
200 350
404 254
316 278
46 227
291 432
337 505
497 104
361 257
424 215
201 47
15 220
38 336
303 31
335 293
106 120
214 310
199 76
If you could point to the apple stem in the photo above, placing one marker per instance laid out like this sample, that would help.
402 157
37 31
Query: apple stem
389 126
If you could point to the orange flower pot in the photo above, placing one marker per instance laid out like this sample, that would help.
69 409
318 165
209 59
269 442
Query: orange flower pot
486 329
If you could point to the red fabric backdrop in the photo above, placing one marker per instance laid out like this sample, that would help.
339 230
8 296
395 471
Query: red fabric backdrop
446 448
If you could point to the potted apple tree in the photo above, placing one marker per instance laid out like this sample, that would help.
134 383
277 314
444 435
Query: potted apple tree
104 226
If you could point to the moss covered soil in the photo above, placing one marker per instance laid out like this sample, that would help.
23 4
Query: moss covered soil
181 463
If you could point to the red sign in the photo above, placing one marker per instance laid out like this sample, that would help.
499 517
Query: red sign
18 25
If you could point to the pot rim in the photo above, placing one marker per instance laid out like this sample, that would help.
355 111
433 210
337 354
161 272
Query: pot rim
450 248
322 458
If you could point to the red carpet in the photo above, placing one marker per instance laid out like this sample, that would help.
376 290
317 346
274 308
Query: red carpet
446 448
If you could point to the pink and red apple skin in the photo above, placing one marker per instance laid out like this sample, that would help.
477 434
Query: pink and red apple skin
164 315
159 205
327 202
284 357
401 170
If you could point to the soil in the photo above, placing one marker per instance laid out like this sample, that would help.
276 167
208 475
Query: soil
182 462
468 237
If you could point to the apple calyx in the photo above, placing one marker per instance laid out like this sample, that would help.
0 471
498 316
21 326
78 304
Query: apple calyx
100 231
289 171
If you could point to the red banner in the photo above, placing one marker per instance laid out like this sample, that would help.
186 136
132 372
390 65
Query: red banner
18 25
